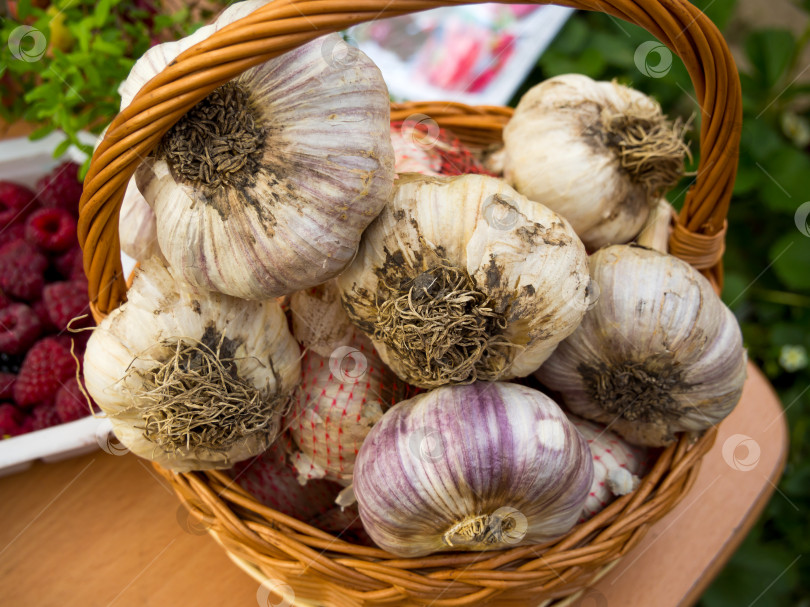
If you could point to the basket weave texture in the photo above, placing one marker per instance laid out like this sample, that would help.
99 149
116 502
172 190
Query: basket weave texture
316 565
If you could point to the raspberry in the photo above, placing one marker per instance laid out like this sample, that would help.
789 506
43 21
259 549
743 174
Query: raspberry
10 420
46 366
19 328
15 203
4 301
61 189
69 264
66 300
44 416
70 403
21 268
51 229
9 233
7 385
42 313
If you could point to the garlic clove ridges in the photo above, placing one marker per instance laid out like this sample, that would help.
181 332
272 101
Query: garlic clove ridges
659 352
474 467
462 279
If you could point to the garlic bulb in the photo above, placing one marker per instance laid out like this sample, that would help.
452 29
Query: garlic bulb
658 353
617 465
476 467
319 322
410 156
136 225
339 400
191 380
462 278
265 186
272 481
598 153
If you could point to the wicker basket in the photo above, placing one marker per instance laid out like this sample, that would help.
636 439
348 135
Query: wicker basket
326 570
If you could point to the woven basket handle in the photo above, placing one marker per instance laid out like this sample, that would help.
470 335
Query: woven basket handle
283 25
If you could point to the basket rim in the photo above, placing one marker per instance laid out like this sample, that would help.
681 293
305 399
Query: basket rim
370 575
282 25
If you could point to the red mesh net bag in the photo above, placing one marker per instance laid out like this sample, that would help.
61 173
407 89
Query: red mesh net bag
421 146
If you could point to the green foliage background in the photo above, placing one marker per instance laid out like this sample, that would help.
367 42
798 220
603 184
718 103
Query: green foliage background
767 259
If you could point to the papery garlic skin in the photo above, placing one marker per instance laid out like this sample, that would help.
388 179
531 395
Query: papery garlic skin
278 193
617 465
522 263
319 322
344 389
658 353
575 145
137 229
135 339
411 156
476 467
339 400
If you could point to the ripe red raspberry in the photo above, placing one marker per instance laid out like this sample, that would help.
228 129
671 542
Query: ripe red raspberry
7 386
15 203
44 416
42 313
70 403
21 268
13 232
61 189
51 230
4 300
46 366
69 264
10 419
19 328
65 301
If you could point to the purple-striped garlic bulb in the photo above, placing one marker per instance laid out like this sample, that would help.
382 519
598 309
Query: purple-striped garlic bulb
482 466
617 465
265 186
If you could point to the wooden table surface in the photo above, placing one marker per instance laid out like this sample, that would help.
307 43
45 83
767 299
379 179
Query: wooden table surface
105 530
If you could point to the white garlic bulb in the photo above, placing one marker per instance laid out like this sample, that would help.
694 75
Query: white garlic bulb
265 186
136 225
339 400
344 389
617 465
658 353
476 467
413 156
191 380
319 322
462 278
598 153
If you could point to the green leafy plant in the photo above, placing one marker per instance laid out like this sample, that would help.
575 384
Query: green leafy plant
767 260
63 74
